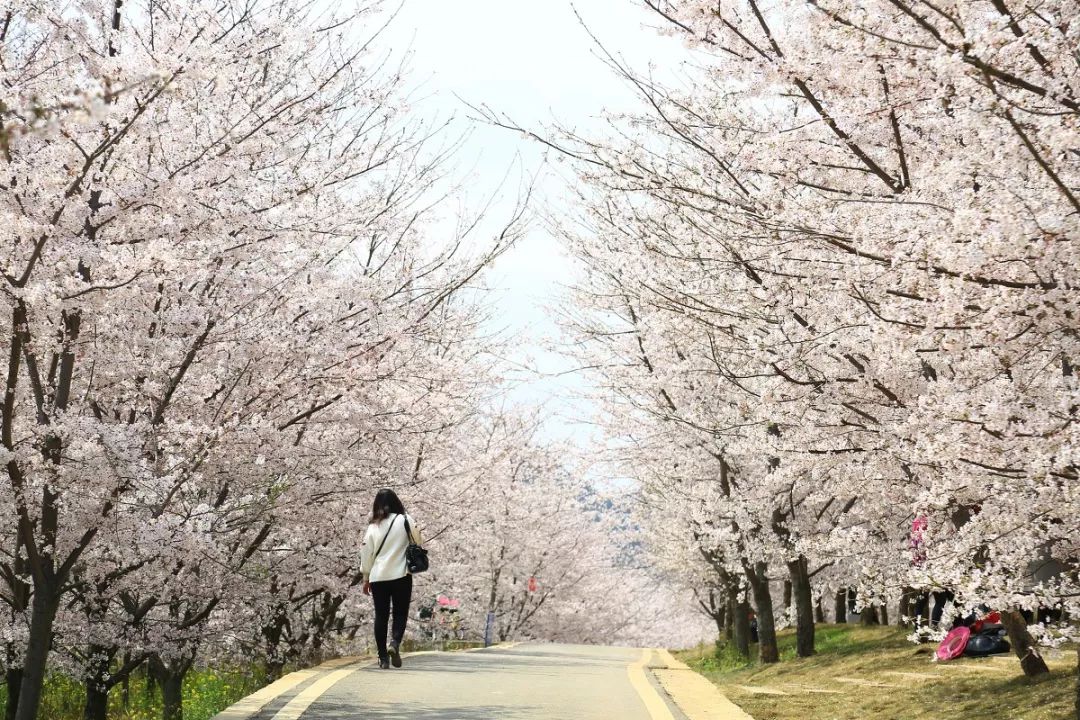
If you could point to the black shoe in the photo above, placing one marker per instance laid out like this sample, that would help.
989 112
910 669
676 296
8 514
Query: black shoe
384 664
395 655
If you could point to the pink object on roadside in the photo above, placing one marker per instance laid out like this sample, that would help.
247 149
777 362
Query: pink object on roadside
952 646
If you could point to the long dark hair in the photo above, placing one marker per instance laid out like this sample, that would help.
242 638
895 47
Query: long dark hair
386 503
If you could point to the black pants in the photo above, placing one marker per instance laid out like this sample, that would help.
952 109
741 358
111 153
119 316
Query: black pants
940 600
399 594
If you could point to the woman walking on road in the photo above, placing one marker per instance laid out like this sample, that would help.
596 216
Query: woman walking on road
386 577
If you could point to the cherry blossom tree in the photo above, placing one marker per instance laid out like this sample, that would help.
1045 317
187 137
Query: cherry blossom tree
840 266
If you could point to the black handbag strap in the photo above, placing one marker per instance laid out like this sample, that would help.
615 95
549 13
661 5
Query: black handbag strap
408 530
386 536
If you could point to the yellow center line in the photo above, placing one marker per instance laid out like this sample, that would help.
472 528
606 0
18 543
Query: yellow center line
654 704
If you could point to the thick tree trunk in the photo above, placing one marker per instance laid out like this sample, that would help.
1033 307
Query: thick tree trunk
819 611
840 607
13 677
170 678
172 697
804 607
43 614
868 616
1031 661
740 623
96 705
883 614
759 584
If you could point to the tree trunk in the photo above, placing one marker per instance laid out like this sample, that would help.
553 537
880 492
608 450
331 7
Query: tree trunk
170 678
740 622
172 697
96 705
729 626
13 677
868 616
125 685
274 670
840 607
787 597
883 614
819 612
97 685
903 608
1031 661
759 584
43 614
719 616
804 607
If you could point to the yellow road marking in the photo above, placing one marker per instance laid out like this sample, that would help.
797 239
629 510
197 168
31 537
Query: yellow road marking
654 704
254 703
296 707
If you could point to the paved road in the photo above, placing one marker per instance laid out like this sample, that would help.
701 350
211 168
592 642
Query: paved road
526 682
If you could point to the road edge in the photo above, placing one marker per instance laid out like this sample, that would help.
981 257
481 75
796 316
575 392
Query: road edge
251 705
694 695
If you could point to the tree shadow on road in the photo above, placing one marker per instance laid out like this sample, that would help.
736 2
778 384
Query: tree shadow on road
343 710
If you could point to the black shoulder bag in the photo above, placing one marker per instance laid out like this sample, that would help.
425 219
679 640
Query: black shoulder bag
416 559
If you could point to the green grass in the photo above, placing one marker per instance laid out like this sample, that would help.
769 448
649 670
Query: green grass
987 689
206 693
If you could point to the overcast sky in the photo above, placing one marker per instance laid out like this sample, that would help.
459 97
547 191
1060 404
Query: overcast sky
533 61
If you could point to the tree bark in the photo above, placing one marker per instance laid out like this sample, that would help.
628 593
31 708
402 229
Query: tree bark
274 670
840 607
729 626
13 678
1031 661
43 614
758 577
819 611
883 614
804 607
787 595
172 697
868 616
740 622
170 678
719 616
96 705
96 687
903 608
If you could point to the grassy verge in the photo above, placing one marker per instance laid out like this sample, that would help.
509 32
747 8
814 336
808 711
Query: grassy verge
874 673
206 693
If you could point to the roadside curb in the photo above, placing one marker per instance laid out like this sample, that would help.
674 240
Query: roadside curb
251 705
692 693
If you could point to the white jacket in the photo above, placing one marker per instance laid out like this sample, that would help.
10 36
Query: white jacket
390 564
